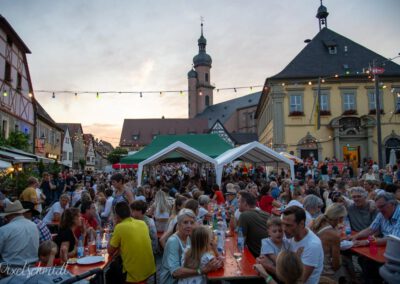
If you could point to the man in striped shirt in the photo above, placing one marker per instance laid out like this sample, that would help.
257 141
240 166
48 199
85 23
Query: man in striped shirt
387 222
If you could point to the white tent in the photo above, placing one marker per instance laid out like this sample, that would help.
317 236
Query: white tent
184 150
254 152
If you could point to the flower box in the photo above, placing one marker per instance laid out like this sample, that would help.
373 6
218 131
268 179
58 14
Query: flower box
350 112
296 113
324 112
373 111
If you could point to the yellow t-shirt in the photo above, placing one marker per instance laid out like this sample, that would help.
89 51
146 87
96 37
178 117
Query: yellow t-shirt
29 194
133 239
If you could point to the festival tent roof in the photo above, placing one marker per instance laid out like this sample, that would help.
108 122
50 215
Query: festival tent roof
292 157
209 144
182 149
254 152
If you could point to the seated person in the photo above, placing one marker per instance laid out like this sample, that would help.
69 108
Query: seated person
54 214
65 239
47 254
89 220
19 239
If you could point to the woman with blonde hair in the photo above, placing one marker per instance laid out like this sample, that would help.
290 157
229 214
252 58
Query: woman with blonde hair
325 227
289 268
160 210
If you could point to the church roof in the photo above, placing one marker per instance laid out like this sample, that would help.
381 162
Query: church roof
223 111
316 60
143 131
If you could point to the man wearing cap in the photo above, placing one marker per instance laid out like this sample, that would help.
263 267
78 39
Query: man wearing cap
31 214
19 239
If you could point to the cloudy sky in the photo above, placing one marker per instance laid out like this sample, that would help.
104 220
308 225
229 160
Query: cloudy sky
148 45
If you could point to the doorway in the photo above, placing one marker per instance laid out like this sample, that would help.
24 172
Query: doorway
352 155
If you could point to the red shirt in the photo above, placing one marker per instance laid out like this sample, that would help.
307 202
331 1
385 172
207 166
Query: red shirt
89 222
219 197
266 203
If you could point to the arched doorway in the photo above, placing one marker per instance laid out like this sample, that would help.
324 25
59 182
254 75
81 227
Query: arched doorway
391 142
308 148
353 138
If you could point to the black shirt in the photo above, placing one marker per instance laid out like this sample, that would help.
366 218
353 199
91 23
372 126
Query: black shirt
65 235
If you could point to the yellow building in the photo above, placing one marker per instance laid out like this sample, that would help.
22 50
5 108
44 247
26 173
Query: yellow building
287 110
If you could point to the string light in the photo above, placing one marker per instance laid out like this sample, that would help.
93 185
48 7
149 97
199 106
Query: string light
97 95
200 93
235 90
5 94
310 83
141 95
30 95
54 95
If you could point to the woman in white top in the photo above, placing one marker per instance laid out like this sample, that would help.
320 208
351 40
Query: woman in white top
160 211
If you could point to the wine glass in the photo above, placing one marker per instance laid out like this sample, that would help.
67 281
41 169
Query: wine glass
237 254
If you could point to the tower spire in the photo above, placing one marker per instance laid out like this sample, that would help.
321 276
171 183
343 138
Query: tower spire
322 15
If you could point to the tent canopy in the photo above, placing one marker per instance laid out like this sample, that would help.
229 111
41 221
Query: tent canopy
254 152
182 149
292 157
209 144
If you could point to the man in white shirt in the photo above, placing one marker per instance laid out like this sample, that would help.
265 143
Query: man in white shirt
56 210
293 221
19 239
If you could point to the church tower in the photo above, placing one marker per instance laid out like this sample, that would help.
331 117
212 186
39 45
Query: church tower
322 15
200 88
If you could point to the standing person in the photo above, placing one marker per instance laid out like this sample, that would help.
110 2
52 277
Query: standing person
60 185
120 192
325 226
312 257
218 196
131 238
253 222
48 188
19 239
29 193
161 211
70 183
105 215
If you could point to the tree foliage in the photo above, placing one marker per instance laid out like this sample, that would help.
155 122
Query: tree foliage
16 139
116 155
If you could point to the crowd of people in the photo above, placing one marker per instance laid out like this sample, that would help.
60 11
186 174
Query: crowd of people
293 228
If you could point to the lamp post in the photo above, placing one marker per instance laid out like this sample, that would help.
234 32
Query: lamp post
378 114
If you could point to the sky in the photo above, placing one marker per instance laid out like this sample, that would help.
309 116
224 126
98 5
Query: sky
148 45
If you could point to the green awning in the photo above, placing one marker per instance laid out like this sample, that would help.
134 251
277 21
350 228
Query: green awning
210 144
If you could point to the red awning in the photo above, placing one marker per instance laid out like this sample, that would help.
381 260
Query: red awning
119 166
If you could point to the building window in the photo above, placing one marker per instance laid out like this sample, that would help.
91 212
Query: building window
332 49
206 77
349 101
207 101
70 156
7 72
324 102
372 100
64 155
9 41
19 81
4 129
296 104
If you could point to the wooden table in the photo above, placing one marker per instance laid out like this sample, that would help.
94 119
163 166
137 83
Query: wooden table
365 251
231 267
77 269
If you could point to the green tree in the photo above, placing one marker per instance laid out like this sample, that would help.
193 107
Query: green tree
116 155
16 139
82 163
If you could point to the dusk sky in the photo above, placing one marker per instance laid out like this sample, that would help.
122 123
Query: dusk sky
148 45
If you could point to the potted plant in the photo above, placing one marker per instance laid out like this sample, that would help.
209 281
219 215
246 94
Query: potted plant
296 113
350 112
